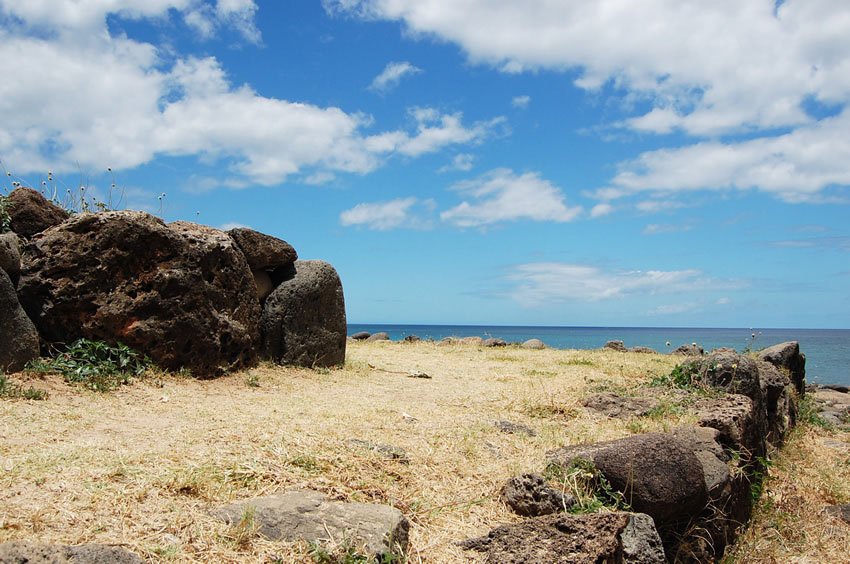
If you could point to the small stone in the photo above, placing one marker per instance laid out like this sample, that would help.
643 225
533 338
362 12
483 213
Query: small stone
493 342
361 336
528 495
514 428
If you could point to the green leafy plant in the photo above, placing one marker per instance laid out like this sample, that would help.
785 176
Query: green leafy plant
95 364
588 485
808 413
10 390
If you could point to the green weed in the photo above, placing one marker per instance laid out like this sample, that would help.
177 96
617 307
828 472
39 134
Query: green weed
588 485
95 364
10 390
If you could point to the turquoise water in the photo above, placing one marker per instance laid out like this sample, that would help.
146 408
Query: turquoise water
827 350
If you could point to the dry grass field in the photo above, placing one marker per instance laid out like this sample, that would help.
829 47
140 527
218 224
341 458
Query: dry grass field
143 466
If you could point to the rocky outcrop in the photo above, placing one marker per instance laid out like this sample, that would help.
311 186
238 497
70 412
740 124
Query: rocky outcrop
618 346
361 335
181 293
18 336
658 474
529 495
31 213
303 320
788 356
612 538
26 552
494 342
534 344
377 532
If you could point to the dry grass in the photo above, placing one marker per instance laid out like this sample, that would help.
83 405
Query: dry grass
144 465
789 525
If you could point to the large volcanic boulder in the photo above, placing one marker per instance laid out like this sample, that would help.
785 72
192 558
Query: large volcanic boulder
18 337
32 213
181 293
658 473
303 321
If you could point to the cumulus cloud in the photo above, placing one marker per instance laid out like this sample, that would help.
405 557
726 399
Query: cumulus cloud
391 76
502 195
461 162
207 19
132 103
392 214
601 210
521 101
545 282
751 70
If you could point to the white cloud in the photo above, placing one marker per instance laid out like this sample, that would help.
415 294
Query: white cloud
521 101
601 210
501 195
723 301
207 19
233 225
656 228
796 166
391 76
708 67
541 283
382 216
131 105
652 206
675 309
462 162
749 69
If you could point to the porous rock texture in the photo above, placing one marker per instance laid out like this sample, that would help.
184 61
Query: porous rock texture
32 213
303 320
610 538
18 336
658 473
529 495
376 531
25 552
181 293
10 255
263 252
788 356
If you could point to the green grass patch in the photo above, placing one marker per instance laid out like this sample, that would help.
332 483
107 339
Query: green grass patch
16 391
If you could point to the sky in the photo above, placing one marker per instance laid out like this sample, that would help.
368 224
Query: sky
545 162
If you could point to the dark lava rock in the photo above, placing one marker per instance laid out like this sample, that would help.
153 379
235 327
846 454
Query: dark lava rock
493 342
32 213
262 251
839 511
25 552
788 356
10 255
18 336
689 350
380 336
615 346
599 538
361 336
529 495
658 473
303 320
181 293
411 339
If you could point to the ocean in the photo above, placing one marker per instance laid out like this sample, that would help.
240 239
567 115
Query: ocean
827 350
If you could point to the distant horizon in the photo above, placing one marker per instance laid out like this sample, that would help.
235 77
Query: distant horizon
600 326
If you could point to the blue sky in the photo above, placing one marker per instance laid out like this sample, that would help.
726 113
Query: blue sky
468 162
